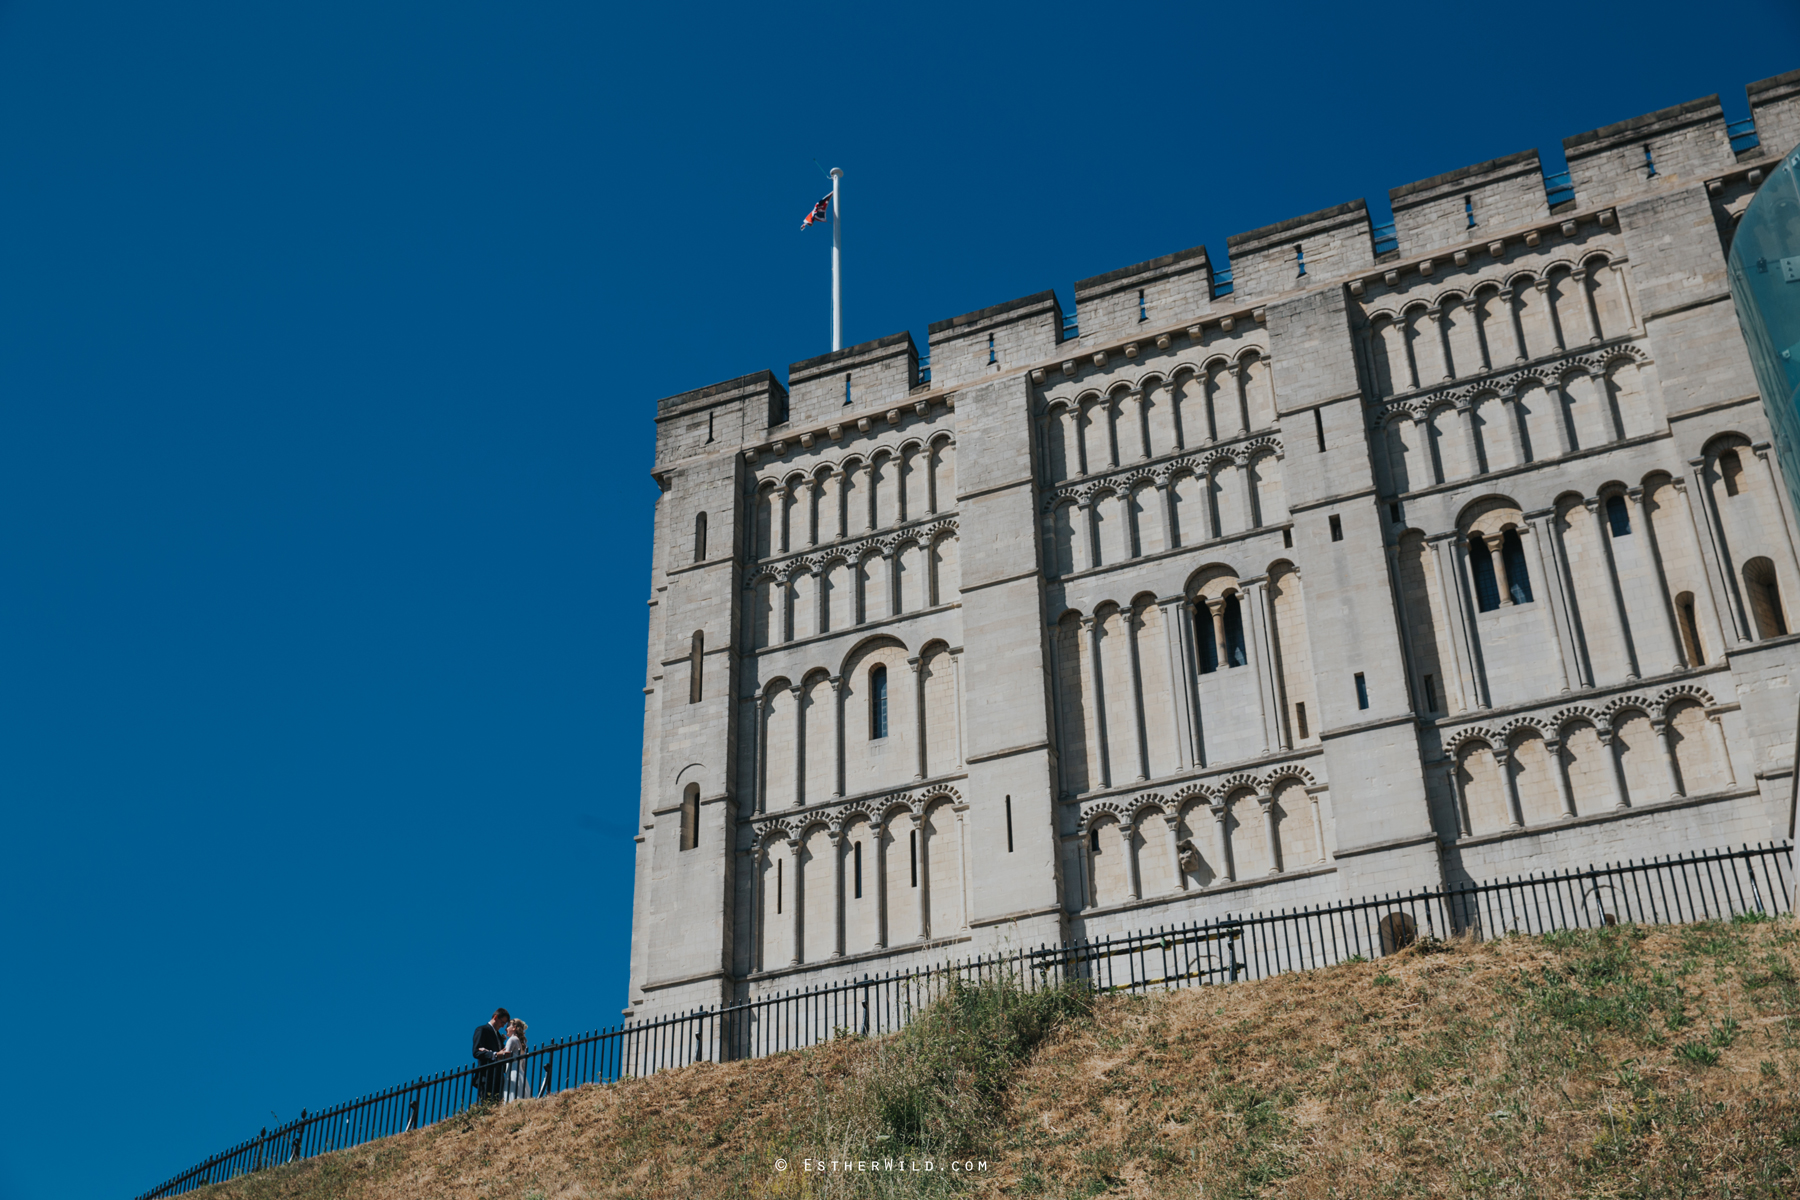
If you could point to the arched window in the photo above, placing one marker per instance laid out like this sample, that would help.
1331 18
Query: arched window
699 537
690 816
1765 598
878 723
1481 566
1690 629
1512 556
696 658
1234 632
1209 645
1731 470
1618 519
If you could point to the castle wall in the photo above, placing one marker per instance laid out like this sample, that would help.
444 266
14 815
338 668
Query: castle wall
1374 571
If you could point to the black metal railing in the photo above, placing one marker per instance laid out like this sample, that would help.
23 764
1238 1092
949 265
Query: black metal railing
1676 889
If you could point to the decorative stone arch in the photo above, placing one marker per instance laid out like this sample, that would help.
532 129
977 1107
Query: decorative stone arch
1685 691
1524 277
1469 738
1292 771
1651 708
862 646
1719 443
1091 815
1478 516
1203 577
1563 718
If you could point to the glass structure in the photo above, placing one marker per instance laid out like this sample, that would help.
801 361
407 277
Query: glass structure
1765 283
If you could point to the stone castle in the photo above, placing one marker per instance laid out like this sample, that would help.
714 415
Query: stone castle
1386 558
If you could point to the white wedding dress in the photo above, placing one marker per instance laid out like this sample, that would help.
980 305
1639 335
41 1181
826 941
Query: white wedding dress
517 1088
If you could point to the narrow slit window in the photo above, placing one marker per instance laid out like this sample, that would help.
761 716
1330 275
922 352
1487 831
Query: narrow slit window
1287 539
690 816
696 664
1337 528
1394 512
912 839
1094 839
1362 691
700 537
1143 314
709 427
992 357
1765 598
1300 719
856 859
878 706
1431 704
1319 428
1618 520
1690 629
846 387
1300 259
778 865
1649 162
1469 210
1009 837
1481 566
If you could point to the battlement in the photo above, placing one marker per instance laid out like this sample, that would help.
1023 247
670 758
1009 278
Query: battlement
870 374
1293 254
1775 108
1452 208
1001 337
1113 304
1453 215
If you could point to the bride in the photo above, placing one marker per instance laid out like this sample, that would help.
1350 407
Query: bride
513 1055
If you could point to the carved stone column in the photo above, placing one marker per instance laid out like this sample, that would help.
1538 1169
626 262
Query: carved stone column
1240 377
1435 315
1458 801
796 899
1227 867
1465 416
1266 802
1173 821
922 893
1191 684
962 843
1778 495
837 737
1471 647
1096 701
1640 516
1514 322
918 678
784 609
782 496
1661 726
760 701
1542 288
1578 277
1318 820
1126 833
1165 495
1252 517
837 860
1090 534
1553 394
1603 531
1565 582
1615 772
1128 617
1713 550
1550 593
1503 762
1559 771
877 832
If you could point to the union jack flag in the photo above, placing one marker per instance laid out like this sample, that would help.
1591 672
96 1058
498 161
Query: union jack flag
819 212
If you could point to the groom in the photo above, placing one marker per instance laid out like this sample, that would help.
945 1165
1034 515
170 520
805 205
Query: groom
488 1044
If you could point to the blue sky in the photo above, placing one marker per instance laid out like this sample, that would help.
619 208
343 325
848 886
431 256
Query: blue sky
329 338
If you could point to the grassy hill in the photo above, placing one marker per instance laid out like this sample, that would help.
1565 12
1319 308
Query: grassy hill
1627 1062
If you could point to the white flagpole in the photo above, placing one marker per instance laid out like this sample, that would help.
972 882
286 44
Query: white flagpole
837 249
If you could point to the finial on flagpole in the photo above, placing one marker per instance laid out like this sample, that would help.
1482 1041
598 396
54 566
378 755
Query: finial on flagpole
837 249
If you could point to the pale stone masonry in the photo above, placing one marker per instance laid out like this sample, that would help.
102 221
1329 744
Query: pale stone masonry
1388 564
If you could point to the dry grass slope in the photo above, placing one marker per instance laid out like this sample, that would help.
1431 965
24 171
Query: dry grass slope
1630 1062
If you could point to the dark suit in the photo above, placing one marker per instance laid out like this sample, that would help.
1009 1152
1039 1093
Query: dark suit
487 1044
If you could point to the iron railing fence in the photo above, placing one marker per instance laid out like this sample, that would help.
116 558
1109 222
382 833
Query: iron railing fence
1675 889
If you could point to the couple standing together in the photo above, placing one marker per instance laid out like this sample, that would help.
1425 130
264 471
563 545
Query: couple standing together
503 1076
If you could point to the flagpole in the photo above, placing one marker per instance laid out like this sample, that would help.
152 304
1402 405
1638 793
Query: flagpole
837 249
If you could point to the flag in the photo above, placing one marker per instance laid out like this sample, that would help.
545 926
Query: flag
820 211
